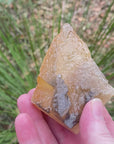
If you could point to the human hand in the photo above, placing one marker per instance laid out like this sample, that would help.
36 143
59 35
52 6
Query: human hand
34 127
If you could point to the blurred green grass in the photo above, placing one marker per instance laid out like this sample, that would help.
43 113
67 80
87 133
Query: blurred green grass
26 31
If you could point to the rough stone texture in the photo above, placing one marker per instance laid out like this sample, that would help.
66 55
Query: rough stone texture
70 58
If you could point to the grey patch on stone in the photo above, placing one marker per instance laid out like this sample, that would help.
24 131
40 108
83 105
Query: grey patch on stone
61 101
71 120
89 96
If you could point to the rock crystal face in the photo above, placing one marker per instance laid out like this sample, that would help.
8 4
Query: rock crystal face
68 79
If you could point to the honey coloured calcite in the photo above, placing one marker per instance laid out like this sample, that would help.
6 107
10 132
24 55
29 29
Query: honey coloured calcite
68 79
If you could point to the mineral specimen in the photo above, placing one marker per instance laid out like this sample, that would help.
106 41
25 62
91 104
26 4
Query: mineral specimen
68 79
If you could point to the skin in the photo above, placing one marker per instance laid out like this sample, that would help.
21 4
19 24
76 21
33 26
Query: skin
34 127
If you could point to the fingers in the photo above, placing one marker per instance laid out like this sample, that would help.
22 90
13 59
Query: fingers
25 130
25 106
93 126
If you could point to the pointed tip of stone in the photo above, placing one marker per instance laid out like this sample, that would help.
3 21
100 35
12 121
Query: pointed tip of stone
67 28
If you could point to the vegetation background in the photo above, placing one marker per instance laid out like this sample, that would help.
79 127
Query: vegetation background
27 28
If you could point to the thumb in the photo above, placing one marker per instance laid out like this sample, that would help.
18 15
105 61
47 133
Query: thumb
93 127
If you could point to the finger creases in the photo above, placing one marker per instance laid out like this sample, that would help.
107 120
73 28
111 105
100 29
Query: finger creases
25 106
25 130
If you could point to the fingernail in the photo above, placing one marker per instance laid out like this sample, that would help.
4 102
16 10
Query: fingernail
97 109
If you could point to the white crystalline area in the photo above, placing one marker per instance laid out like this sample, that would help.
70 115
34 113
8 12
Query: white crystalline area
89 77
85 83
71 51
